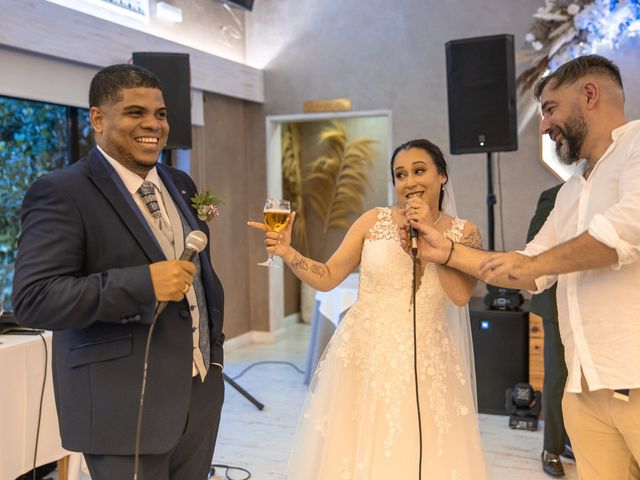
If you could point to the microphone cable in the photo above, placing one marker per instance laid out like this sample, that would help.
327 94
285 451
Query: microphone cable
35 331
414 252
44 383
228 469
147 348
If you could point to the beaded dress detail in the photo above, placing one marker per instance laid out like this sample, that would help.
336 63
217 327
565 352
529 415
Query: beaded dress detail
359 420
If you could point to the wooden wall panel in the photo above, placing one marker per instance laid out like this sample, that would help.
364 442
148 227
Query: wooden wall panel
229 158
254 195
536 351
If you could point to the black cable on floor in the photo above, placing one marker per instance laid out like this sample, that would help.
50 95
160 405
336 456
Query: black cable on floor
249 367
228 468
415 361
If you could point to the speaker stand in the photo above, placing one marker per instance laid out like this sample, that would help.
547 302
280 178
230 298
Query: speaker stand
495 294
242 391
491 201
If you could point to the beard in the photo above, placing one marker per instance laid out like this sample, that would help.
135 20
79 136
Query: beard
573 133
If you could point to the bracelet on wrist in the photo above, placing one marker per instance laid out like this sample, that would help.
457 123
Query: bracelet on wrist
450 253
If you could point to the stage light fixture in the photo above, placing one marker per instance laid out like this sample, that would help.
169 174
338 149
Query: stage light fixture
524 405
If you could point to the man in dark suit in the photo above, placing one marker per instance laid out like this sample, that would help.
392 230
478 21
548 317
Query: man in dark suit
96 255
555 370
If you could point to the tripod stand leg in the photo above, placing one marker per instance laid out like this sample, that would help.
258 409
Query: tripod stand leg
242 391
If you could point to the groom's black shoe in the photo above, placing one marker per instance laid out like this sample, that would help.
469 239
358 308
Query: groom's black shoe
551 464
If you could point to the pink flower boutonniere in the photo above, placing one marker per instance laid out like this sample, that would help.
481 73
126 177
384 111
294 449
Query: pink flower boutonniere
206 205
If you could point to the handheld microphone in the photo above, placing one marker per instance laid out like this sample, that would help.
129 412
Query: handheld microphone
195 242
413 235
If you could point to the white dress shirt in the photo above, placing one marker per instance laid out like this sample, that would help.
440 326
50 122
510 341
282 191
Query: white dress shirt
599 309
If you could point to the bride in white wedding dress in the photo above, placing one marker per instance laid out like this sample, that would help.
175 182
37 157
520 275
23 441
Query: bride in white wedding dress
360 418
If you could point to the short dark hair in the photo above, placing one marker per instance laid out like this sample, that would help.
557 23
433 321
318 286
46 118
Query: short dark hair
109 82
578 68
432 150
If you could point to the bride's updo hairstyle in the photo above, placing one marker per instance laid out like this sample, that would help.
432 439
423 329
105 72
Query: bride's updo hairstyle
434 152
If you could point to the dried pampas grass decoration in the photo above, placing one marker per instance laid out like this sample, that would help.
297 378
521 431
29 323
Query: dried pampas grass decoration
336 182
292 183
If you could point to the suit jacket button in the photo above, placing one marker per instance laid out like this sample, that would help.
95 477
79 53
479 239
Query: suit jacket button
184 314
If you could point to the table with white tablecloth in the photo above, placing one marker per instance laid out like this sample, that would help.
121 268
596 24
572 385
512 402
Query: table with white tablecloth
328 310
22 371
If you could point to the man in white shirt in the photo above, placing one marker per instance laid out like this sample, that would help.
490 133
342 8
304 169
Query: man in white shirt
589 245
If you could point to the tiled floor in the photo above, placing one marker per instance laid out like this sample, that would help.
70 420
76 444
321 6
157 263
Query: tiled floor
259 441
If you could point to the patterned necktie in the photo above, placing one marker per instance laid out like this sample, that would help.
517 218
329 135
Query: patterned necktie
148 193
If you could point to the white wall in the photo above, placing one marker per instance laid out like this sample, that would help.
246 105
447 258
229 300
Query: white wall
390 55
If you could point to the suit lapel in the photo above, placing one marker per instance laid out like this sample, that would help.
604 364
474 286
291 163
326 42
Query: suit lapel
109 183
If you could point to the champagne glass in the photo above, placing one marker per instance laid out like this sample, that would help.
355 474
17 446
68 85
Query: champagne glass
276 214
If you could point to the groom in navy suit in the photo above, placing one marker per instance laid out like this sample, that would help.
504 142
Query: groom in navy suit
97 253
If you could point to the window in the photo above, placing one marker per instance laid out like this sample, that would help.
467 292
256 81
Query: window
35 138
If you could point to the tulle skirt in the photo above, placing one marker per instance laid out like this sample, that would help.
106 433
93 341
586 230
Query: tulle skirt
360 421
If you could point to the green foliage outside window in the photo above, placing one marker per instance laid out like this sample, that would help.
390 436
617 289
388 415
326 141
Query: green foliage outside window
34 140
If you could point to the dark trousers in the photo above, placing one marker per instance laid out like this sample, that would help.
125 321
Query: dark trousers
555 378
191 458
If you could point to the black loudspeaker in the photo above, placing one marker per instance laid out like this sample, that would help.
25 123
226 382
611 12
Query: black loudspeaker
172 69
501 353
481 89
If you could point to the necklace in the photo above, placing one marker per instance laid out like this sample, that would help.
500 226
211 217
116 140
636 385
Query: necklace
438 219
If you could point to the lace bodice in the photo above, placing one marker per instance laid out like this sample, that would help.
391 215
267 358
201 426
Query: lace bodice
386 269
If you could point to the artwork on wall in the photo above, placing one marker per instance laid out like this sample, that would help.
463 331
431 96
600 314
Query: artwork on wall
332 184
332 167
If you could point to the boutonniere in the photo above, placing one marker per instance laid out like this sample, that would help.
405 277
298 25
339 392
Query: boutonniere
206 205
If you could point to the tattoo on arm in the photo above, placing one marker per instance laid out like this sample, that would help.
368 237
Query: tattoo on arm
317 269
472 239
299 263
